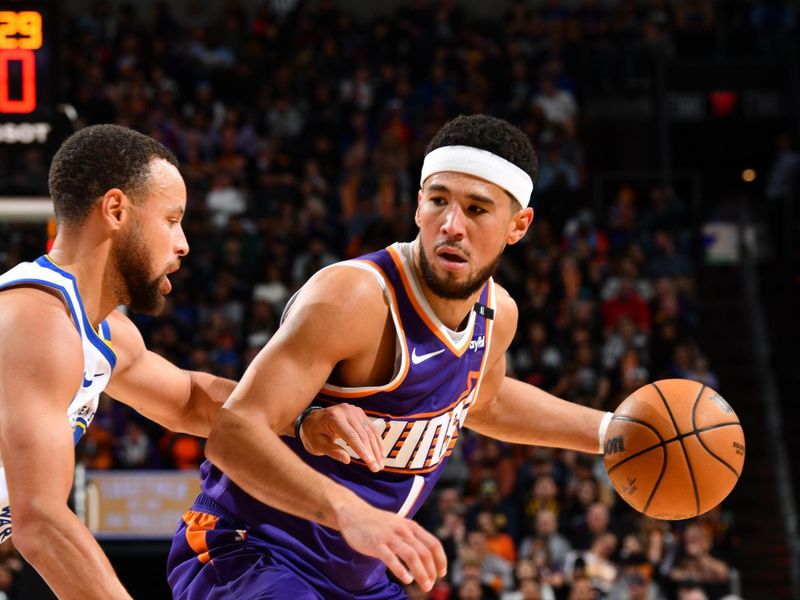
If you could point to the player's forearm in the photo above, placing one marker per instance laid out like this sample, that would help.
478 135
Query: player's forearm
207 394
67 557
256 459
523 414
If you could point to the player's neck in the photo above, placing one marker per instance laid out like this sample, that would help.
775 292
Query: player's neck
454 314
89 261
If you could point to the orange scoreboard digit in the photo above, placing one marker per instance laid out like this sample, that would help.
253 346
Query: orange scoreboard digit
20 37
27 69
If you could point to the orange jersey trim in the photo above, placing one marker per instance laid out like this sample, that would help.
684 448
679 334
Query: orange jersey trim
421 311
362 392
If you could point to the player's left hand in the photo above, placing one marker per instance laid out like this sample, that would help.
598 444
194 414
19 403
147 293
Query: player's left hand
324 431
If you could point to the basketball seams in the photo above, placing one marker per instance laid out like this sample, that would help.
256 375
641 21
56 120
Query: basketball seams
700 438
719 458
638 422
715 426
683 446
660 476
661 444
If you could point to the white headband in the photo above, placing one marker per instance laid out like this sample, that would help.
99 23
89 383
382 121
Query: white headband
481 163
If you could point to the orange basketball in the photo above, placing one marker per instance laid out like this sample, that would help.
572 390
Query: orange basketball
674 449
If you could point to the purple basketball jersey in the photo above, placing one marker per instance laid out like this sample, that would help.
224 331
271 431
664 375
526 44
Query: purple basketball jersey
437 377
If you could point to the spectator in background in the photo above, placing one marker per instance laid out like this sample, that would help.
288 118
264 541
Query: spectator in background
555 173
581 589
596 522
691 592
475 561
558 105
314 258
594 563
537 361
543 496
498 542
546 535
667 261
696 564
135 449
635 584
626 301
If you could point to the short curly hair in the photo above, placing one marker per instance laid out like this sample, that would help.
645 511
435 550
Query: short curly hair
492 134
96 159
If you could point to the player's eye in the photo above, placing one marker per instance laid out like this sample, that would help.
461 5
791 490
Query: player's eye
476 210
438 201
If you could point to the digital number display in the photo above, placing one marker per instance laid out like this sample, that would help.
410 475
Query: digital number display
20 37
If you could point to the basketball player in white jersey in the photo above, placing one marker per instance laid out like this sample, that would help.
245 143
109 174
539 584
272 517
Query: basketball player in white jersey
119 200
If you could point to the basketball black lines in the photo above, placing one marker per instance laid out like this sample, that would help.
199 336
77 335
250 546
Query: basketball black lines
661 444
683 446
700 438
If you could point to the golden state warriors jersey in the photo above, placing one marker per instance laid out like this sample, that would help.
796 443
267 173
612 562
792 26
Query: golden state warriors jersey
98 357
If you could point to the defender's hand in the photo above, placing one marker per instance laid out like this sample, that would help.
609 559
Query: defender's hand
408 551
324 431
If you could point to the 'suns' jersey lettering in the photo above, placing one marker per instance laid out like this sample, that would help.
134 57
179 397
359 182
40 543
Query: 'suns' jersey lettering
98 357
419 412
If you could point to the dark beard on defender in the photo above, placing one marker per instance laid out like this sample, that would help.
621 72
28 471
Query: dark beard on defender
137 289
455 291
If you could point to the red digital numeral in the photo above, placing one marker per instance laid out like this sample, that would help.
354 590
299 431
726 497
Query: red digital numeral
27 103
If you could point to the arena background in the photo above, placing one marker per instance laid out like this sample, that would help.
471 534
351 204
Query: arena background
665 242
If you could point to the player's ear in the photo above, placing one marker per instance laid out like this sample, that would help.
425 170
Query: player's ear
114 208
416 213
520 222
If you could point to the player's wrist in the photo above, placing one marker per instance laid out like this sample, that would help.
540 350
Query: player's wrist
346 509
601 431
298 422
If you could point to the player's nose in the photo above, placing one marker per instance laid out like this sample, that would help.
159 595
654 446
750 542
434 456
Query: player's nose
181 243
454 221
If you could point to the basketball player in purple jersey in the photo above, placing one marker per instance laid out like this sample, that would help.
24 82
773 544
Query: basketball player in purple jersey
416 336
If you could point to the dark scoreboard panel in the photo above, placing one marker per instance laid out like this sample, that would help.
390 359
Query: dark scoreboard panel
33 122
28 70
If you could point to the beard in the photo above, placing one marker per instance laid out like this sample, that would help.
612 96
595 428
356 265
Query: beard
451 290
136 286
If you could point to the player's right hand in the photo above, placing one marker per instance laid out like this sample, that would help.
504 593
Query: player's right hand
408 551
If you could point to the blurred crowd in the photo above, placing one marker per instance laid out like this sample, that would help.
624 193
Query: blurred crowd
301 129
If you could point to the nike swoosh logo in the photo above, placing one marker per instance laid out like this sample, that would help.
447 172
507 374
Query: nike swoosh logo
88 382
416 359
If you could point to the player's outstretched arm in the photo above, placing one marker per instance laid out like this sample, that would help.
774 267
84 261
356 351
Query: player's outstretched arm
523 414
513 411
178 399
41 366
338 317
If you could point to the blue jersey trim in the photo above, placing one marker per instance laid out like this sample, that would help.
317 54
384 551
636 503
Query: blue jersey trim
105 331
91 334
49 284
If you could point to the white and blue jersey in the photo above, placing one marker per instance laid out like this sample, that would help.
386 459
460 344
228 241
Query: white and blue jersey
98 357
